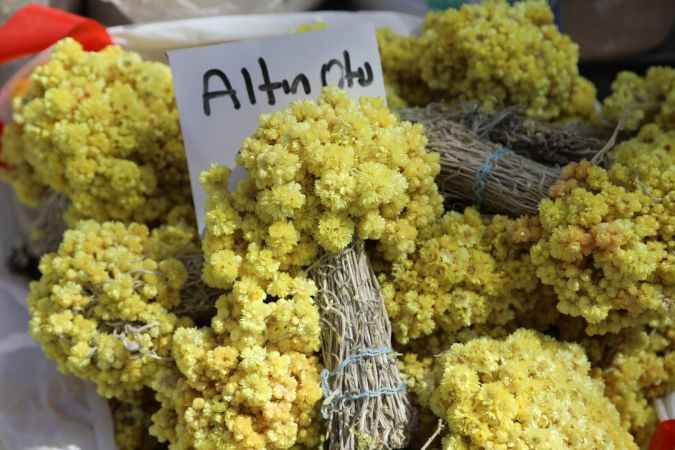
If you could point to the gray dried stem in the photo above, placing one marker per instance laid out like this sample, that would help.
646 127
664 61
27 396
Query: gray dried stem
548 143
47 225
354 320
478 172
198 300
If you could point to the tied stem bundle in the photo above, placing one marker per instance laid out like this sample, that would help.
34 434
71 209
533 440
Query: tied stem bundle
553 144
488 175
365 404
198 301
42 229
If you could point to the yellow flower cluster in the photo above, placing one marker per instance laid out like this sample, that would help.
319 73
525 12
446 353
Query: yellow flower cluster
603 253
416 372
101 128
646 163
640 100
320 174
493 53
230 398
102 309
527 391
465 272
641 370
400 65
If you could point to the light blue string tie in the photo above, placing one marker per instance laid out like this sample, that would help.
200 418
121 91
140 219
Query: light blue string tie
332 397
484 172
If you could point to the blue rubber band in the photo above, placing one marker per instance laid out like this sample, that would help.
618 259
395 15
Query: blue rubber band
330 397
484 172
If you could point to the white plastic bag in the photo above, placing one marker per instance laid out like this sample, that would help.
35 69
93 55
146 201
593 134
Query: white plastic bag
40 408
153 10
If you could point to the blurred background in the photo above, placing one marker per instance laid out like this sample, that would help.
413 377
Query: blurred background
613 35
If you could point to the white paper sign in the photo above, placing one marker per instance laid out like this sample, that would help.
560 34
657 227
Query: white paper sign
222 89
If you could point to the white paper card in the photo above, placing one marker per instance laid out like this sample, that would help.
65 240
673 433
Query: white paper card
222 89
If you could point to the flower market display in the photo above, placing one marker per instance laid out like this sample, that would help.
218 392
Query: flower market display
491 325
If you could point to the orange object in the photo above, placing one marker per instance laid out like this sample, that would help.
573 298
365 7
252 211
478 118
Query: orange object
34 28
664 438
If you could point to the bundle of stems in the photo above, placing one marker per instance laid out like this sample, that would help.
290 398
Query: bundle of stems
365 403
198 301
488 175
41 231
548 143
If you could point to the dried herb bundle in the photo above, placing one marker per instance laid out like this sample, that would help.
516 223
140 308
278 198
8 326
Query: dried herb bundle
366 404
41 231
556 144
198 300
488 175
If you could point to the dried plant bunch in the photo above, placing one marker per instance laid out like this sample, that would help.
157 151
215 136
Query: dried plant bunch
321 174
491 176
102 129
103 306
527 390
606 250
494 53
542 141
468 276
366 402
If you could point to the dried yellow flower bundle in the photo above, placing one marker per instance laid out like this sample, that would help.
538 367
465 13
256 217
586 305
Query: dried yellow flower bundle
606 250
400 65
230 398
641 370
495 53
466 272
526 391
320 174
102 309
101 128
637 100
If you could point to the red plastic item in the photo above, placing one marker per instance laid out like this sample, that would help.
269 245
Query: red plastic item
664 438
34 28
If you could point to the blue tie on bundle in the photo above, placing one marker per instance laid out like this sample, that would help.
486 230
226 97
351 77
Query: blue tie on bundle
440 5
331 397
484 171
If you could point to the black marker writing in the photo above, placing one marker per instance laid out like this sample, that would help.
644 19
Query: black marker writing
346 72
293 88
335 71
328 67
249 85
270 86
207 95
267 85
